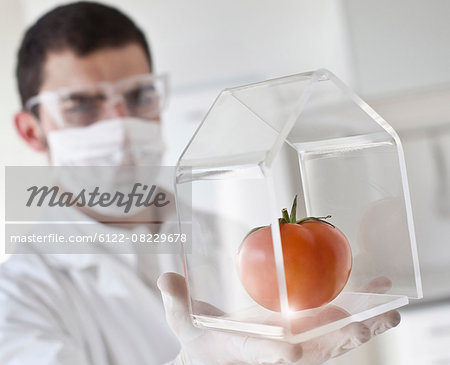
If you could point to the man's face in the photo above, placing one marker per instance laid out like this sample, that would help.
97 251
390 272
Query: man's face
65 69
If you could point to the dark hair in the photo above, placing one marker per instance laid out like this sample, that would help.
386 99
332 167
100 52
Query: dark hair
83 27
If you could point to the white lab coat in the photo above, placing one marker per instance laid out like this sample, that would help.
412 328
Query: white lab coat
80 309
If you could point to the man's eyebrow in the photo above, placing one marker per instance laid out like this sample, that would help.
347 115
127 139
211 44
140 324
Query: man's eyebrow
78 96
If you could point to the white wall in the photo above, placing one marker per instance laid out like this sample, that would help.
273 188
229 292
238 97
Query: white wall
13 151
203 41
399 45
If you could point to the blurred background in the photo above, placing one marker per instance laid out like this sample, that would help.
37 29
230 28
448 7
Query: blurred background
393 53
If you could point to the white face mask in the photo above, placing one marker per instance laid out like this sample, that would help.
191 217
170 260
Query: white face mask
114 142
124 144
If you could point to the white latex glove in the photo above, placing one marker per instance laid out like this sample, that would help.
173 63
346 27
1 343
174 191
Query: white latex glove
207 347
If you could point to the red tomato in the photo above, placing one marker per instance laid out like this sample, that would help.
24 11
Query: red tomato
317 260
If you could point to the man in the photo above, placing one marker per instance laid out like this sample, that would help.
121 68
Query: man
104 309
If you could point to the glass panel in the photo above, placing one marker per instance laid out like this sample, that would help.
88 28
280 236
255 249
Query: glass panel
260 145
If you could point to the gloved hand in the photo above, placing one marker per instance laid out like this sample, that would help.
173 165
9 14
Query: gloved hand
206 347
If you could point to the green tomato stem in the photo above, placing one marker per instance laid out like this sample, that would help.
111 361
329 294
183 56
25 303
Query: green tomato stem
285 214
291 218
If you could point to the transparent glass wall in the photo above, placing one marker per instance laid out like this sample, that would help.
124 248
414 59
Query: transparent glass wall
258 147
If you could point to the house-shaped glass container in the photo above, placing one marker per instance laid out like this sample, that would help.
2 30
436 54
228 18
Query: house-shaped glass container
259 146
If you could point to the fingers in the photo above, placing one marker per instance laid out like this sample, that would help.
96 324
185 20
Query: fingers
175 298
347 338
172 284
260 351
353 335
383 322
336 343
319 318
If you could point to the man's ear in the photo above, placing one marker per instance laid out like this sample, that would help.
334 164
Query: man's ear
30 130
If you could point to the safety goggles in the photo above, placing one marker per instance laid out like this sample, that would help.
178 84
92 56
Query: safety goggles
140 96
